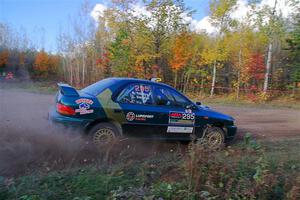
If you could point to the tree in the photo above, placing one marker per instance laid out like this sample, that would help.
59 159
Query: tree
143 49
255 68
41 64
220 11
270 48
120 51
181 53
239 43
294 54
270 23
77 47
103 62
53 66
165 20
200 70
4 58
213 55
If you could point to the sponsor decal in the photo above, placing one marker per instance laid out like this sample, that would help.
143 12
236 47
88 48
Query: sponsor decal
82 111
84 106
131 116
181 118
178 129
88 101
175 115
143 117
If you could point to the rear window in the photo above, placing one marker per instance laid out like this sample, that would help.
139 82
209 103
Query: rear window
98 87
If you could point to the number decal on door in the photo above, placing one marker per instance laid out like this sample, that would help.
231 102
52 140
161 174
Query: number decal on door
181 118
188 116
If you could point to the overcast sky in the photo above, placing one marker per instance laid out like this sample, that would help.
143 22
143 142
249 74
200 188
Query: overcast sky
42 19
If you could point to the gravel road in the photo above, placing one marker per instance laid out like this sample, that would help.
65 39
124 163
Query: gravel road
28 142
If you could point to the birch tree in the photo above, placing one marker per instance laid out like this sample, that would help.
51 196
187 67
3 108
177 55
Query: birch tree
220 11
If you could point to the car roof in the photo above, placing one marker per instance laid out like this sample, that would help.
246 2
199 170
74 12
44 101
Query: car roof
125 79
114 83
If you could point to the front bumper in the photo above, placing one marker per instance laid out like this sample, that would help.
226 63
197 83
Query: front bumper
66 121
230 132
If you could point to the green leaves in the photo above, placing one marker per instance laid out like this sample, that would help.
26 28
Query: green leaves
220 11
120 51
294 54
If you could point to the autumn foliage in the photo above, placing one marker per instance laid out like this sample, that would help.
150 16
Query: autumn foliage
161 42
45 65
181 51
256 67
4 58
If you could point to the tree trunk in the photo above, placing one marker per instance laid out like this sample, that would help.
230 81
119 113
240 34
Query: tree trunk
94 67
213 79
64 69
186 82
77 82
294 88
268 68
176 74
182 82
201 86
238 75
238 85
83 70
71 74
270 48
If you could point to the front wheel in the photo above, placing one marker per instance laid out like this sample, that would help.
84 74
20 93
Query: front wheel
213 137
103 134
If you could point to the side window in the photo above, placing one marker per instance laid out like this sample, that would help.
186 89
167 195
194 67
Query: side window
136 94
163 97
167 97
180 100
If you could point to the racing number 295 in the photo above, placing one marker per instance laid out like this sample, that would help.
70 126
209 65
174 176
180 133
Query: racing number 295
188 116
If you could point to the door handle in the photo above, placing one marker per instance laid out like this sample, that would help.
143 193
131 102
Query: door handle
117 110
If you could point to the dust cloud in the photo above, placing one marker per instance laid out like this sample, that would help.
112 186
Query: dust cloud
29 143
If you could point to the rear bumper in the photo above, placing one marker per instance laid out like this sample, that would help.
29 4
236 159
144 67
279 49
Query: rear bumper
66 121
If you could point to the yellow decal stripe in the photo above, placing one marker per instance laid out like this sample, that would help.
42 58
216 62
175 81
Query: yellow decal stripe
109 106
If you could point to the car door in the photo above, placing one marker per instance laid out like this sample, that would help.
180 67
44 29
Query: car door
176 121
137 103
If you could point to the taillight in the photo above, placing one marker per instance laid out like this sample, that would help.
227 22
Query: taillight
65 110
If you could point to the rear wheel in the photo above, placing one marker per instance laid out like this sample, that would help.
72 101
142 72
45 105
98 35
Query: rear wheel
103 134
213 137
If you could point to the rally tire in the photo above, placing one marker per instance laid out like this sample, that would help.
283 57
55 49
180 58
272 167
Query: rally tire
103 134
213 138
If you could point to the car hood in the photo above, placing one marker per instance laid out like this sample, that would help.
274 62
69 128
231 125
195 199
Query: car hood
209 112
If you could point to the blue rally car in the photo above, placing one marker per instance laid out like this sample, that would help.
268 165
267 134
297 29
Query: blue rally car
132 107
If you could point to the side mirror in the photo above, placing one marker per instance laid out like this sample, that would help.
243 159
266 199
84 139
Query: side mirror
198 103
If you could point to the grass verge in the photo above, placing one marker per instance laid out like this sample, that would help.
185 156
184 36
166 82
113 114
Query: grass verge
30 86
229 100
246 170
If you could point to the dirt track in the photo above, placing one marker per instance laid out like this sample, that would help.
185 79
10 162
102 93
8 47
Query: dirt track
23 110
265 123
29 142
